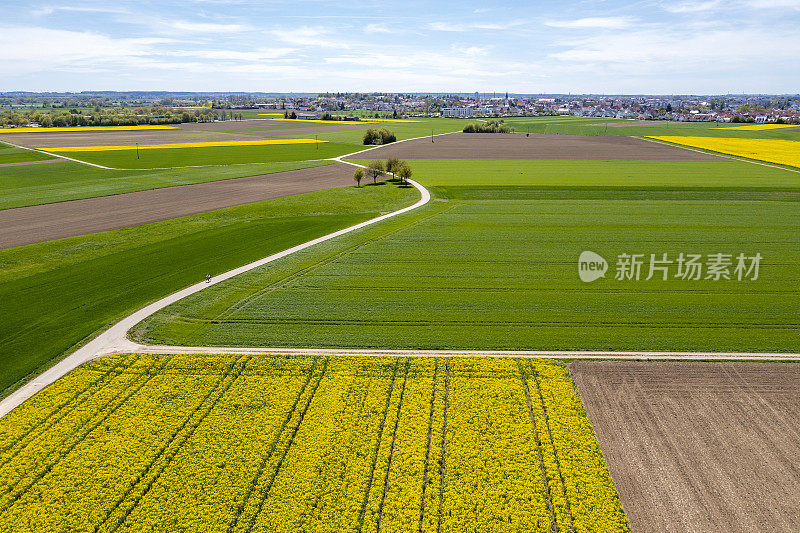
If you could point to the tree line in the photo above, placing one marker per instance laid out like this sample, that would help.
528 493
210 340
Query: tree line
399 169
490 126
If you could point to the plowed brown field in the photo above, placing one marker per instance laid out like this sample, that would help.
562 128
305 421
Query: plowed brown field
25 225
535 146
699 447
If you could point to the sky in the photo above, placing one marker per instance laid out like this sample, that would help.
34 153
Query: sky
587 46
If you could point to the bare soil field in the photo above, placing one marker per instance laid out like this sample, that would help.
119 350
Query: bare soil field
698 447
39 223
536 146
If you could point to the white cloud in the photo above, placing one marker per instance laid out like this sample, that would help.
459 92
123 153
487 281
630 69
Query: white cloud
378 28
661 50
206 27
607 23
773 4
691 7
448 26
309 36
49 10
58 49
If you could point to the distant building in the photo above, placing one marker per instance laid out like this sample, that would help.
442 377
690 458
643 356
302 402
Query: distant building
307 116
457 111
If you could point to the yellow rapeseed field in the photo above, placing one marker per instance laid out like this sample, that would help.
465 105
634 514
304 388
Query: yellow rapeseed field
269 444
779 151
181 145
84 128
758 127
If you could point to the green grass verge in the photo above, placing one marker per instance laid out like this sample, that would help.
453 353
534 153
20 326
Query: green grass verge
12 154
213 155
56 182
56 295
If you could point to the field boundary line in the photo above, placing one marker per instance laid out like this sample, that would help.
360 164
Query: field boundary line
114 339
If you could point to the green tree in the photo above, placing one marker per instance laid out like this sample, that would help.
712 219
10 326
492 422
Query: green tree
391 166
358 175
375 169
404 171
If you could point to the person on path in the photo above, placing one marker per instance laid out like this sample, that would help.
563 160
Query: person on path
208 278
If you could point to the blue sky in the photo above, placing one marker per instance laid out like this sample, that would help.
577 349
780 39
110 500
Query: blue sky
701 47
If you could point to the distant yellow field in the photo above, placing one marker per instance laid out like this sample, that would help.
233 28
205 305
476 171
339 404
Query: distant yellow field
179 145
758 127
772 150
389 120
84 128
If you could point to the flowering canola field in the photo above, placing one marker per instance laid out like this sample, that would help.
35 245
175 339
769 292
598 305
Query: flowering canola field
239 443
180 145
779 151
759 127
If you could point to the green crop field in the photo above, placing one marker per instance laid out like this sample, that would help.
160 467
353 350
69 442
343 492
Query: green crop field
498 270
212 155
489 174
33 185
56 295
12 154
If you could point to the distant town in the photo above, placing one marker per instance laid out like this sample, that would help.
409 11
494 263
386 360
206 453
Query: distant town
24 108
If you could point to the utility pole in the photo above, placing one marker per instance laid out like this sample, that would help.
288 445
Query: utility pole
431 135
